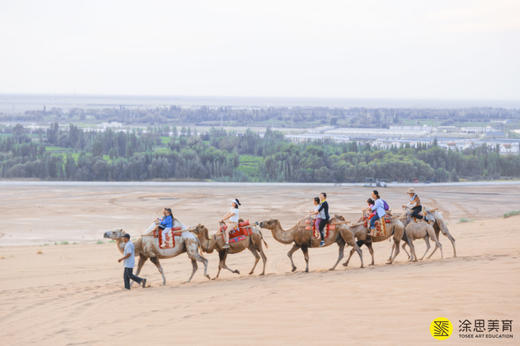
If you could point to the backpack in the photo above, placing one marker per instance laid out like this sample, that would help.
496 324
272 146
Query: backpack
387 207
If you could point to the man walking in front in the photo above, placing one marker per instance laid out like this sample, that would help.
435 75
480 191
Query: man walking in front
129 258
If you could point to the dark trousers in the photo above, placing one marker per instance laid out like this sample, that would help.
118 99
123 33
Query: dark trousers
323 223
127 275
416 212
373 221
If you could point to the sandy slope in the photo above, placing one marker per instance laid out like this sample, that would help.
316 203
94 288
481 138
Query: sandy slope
71 294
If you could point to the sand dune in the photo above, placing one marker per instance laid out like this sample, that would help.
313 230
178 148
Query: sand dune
72 294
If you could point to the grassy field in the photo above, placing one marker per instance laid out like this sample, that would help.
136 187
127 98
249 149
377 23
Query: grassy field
250 165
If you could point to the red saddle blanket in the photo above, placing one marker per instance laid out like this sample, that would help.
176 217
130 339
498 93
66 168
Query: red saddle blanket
168 241
311 225
236 235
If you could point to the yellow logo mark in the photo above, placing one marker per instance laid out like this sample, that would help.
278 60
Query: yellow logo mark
441 328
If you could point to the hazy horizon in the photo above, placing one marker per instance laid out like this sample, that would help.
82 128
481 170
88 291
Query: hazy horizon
399 50
14 103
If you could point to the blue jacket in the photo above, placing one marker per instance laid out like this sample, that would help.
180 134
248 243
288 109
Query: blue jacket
167 222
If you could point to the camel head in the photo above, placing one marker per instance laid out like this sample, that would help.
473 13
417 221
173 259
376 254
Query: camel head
269 224
200 231
115 234
339 217
436 218
430 215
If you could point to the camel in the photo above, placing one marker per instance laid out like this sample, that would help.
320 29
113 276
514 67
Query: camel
439 225
216 242
148 247
303 239
420 230
395 229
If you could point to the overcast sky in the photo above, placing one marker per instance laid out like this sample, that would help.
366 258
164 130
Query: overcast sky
447 49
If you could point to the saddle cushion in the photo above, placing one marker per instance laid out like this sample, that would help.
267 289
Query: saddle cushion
239 234
169 241
378 224
311 226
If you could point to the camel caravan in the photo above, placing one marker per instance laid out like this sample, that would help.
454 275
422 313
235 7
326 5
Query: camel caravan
168 237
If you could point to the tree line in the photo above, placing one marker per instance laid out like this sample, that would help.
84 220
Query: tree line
71 153
273 116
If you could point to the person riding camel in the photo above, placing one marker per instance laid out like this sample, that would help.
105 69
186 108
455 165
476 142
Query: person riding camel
315 213
232 220
379 209
368 213
324 216
165 224
414 204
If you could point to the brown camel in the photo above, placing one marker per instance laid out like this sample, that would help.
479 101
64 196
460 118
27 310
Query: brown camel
302 238
216 242
148 247
394 229
420 230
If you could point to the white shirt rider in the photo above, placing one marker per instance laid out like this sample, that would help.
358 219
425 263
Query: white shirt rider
234 218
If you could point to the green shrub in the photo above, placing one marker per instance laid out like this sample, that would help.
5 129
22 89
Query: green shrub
511 213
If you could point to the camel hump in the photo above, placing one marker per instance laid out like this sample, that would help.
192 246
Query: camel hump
188 235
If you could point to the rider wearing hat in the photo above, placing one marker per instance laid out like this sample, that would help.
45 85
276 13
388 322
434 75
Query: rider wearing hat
414 204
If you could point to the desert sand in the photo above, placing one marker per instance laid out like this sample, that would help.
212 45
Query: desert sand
60 283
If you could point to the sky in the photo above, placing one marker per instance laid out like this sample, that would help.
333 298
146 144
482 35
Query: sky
395 49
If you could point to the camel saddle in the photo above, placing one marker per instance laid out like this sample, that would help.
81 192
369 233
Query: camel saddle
310 225
380 231
169 241
236 235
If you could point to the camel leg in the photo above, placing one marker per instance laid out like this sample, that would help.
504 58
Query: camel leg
197 257
352 242
205 263
348 259
438 245
396 247
406 251
195 267
434 249
371 250
427 241
452 240
223 263
358 250
257 258
262 254
412 250
341 250
192 249
391 252
449 236
219 266
155 261
305 251
290 253
432 235
142 260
